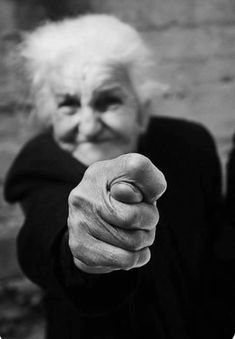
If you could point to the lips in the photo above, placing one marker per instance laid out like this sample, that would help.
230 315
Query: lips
95 141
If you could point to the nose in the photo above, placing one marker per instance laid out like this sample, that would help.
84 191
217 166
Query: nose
89 124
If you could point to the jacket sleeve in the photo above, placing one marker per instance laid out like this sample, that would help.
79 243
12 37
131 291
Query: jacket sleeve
45 257
45 211
40 179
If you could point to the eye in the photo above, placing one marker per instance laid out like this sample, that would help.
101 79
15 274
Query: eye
69 101
103 102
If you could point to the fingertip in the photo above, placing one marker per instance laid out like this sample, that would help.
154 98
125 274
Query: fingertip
144 257
161 189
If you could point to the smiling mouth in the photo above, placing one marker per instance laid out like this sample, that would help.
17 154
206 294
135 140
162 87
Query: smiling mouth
95 141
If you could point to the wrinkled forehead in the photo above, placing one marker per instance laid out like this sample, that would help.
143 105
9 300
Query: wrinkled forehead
87 77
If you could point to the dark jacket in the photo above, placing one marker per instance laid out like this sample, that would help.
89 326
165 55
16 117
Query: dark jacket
225 245
167 298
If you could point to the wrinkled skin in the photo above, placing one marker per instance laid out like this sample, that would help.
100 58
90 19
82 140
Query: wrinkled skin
113 214
97 115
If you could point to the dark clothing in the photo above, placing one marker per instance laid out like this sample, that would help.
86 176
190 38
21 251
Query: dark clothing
167 298
230 198
225 247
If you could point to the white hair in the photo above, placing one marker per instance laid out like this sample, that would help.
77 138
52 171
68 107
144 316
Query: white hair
91 38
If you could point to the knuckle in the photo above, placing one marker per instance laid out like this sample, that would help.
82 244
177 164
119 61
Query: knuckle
151 237
129 219
76 196
141 239
135 161
143 217
89 174
136 241
149 217
72 199
154 216
95 170
73 245
135 217
90 170
81 251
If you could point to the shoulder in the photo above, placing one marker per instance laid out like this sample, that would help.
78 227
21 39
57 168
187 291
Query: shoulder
37 156
41 152
41 162
190 134
38 147
179 145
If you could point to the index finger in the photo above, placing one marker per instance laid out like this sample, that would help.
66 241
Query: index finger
139 171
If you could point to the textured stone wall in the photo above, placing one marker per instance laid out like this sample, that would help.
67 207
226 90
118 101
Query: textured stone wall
194 44
193 41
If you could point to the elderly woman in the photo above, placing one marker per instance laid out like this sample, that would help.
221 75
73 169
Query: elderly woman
88 185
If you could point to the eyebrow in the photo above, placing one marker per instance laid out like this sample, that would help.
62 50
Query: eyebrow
67 96
115 89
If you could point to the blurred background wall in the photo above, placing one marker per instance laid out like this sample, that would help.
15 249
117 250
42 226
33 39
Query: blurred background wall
194 42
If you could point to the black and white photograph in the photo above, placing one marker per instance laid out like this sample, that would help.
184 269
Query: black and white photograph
117 169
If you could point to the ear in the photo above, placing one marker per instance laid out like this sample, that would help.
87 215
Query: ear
144 113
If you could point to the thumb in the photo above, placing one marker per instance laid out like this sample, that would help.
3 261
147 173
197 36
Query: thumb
126 192
140 174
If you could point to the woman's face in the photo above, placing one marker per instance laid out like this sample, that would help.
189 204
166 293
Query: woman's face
97 114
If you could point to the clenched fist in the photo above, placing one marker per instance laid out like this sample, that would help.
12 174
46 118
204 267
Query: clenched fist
113 214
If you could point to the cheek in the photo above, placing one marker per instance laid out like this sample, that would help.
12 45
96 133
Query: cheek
122 121
62 125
